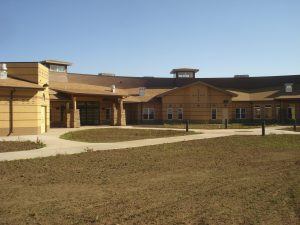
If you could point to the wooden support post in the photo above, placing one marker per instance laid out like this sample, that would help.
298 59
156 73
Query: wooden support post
263 128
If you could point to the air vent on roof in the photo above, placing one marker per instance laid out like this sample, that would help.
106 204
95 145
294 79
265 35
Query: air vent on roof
107 74
288 87
3 71
113 88
241 75
142 91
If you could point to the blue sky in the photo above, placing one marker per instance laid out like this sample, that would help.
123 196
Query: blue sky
150 37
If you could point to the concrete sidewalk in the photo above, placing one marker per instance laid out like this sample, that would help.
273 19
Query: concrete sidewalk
56 146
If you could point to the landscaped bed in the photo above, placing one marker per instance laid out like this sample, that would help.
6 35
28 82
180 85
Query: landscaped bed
227 180
11 146
115 134
204 126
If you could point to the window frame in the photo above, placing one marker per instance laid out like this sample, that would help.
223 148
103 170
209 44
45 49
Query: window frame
147 113
268 107
168 110
290 115
109 114
180 110
255 108
212 114
58 68
240 113
278 112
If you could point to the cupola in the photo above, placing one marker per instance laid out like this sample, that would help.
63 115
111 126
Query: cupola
184 73
56 65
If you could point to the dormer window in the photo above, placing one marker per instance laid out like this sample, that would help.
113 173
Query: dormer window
185 74
58 68
288 87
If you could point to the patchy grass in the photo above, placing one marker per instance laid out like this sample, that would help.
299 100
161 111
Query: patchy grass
116 134
228 180
202 126
292 129
11 146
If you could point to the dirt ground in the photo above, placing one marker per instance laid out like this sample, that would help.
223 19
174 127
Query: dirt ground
11 146
229 180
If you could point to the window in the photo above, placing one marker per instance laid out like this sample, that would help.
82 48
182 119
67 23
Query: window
180 113
170 113
278 115
185 74
291 112
240 113
257 112
268 112
148 114
107 113
213 114
57 68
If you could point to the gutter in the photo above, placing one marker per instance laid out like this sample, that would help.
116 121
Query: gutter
11 112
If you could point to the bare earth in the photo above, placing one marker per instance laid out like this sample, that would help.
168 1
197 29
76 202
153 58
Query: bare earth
228 180
11 146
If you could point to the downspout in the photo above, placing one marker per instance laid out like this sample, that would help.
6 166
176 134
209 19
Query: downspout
11 112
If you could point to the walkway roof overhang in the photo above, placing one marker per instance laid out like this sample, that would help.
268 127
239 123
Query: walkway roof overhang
84 89
19 84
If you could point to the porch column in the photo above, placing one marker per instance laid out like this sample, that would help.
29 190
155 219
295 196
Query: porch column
75 120
121 113
67 115
114 114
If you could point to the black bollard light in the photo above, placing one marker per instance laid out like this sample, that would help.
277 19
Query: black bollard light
263 128
295 125
226 123
187 125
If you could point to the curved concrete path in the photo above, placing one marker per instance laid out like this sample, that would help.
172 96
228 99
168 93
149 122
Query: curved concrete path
57 146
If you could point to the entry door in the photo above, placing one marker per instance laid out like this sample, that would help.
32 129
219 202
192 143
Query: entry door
224 114
89 113
43 119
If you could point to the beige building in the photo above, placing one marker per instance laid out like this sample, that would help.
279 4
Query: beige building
38 95
24 99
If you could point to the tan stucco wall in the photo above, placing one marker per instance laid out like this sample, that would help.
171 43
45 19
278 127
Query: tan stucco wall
197 102
27 103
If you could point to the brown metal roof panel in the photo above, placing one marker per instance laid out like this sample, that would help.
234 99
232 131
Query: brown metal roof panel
74 88
15 83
